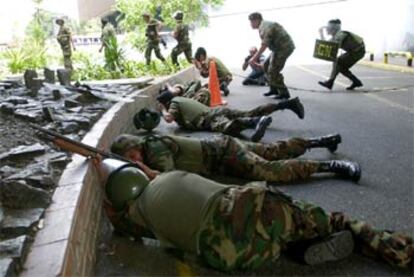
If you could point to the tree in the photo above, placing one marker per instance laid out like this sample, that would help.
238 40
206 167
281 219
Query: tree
194 12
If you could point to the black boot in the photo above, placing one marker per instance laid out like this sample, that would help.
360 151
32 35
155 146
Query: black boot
319 250
224 87
346 169
328 84
294 105
272 91
283 94
261 127
330 142
237 125
356 83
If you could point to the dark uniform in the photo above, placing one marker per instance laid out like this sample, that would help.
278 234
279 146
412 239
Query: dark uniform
355 51
281 46
233 227
153 41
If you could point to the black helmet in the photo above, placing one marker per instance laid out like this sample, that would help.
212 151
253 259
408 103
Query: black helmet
147 119
178 15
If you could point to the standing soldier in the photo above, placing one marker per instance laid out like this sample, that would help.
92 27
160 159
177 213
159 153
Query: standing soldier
183 40
153 38
64 37
274 37
355 50
108 35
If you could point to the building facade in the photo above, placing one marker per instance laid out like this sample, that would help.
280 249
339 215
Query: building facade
89 9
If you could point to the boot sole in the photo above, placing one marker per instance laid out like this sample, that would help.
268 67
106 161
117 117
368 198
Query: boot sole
333 148
338 246
261 130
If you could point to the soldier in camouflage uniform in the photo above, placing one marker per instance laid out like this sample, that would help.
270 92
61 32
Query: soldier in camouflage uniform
193 90
202 63
273 162
183 41
64 38
108 34
153 38
233 227
355 50
192 115
281 45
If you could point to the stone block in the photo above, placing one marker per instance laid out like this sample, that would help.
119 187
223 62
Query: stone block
49 76
64 77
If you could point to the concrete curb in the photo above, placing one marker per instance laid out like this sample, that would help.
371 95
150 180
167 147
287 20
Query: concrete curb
390 67
66 246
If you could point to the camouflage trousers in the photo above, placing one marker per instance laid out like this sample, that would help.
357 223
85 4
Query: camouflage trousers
216 120
257 161
182 48
273 67
153 45
198 93
251 226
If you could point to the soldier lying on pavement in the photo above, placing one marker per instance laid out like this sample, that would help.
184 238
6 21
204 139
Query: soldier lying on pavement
232 227
193 90
271 162
192 115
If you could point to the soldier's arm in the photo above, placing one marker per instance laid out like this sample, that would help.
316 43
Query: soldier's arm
262 48
167 115
70 39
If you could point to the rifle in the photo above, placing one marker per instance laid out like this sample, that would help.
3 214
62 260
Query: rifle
73 146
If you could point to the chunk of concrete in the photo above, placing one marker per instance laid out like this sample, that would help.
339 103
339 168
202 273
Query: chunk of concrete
18 195
24 150
49 75
63 77
17 222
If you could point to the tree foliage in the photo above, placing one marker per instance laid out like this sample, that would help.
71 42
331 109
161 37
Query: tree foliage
195 12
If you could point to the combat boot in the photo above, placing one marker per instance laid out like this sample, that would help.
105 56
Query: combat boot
283 94
234 127
224 88
356 83
294 105
261 127
328 84
273 91
335 247
330 142
346 169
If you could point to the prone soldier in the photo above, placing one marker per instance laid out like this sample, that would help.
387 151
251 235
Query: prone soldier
193 90
192 115
273 162
232 227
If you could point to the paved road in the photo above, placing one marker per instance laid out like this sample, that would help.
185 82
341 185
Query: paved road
378 132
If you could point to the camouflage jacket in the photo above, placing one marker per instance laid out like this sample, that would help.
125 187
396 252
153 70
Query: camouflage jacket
275 37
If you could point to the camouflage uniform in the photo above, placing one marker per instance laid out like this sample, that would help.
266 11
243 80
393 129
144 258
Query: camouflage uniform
280 43
108 34
355 50
183 43
153 41
195 91
191 115
223 74
230 156
64 38
250 226
233 227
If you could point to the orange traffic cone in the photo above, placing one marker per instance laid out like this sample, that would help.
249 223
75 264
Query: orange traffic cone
214 86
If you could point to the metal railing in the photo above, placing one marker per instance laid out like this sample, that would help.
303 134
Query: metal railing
407 55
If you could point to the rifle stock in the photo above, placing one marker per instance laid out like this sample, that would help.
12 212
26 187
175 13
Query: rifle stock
73 146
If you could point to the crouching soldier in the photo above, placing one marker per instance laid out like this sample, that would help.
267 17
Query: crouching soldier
273 162
232 227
